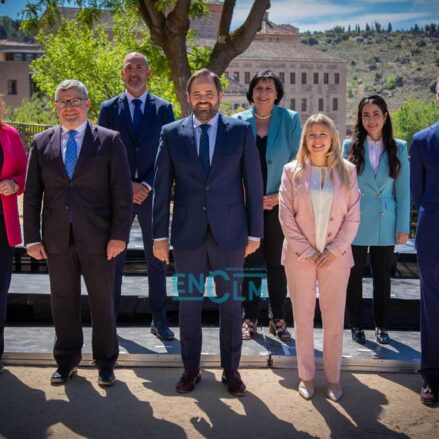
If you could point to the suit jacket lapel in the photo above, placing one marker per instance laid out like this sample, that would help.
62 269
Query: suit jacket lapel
88 147
125 114
273 129
220 140
55 149
371 177
148 114
188 135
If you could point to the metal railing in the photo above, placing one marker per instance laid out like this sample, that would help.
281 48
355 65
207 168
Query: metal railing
27 131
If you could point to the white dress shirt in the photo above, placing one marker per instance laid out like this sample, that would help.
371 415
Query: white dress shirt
375 150
321 197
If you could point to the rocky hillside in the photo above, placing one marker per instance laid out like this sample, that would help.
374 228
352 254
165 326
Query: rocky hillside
397 65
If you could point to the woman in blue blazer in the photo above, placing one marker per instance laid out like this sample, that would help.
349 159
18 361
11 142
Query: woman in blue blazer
383 176
277 132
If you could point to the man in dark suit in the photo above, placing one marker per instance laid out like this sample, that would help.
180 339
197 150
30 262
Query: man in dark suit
424 179
217 220
139 116
79 174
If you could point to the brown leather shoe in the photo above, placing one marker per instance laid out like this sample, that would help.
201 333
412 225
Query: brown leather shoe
428 395
187 381
234 383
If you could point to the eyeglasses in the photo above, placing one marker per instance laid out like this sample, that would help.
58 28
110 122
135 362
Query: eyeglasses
76 102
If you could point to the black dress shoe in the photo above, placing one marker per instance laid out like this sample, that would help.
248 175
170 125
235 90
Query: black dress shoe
382 336
358 335
428 395
61 375
187 381
234 383
106 377
162 331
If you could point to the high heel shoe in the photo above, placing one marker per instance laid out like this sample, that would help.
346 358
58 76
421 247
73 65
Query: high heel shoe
248 329
334 392
306 391
278 328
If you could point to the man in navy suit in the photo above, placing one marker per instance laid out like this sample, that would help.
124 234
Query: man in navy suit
139 116
78 180
217 220
424 161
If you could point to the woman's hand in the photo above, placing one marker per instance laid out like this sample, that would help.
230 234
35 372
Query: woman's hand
401 237
325 259
8 187
271 201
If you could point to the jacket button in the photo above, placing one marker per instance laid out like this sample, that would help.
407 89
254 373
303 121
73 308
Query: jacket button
204 208
331 219
207 188
329 234
269 162
66 207
382 214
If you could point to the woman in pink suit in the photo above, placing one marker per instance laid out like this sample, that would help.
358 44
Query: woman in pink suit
12 174
319 213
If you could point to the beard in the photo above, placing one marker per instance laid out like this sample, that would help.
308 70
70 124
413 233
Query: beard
205 114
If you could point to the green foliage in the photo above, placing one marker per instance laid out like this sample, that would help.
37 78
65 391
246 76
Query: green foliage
35 110
9 30
82 52
413 116
391 82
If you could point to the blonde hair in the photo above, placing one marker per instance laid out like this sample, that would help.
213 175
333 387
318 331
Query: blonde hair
334 156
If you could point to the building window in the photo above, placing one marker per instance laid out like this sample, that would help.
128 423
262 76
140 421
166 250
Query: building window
292 77
247 77
303 77
321 105
236 76
18 56
282 77
316 78
325 78
293 104
334 104
303 106
227 74
12 86
337 78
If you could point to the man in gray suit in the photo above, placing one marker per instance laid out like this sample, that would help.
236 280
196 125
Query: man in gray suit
79 174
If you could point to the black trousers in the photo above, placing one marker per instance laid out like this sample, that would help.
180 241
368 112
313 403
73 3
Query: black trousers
267 256
6 252
380 263
65 293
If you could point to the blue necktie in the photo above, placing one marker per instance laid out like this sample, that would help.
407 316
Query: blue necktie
71 153
204 148
137 117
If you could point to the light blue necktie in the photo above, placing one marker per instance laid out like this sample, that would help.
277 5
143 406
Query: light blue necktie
204 148
71 153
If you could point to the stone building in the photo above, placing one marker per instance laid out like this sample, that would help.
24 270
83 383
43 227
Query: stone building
15 80
313 81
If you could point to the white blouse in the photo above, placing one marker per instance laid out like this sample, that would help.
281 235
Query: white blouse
375 150
322 192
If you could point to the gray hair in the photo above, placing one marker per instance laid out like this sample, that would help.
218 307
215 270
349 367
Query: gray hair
72 83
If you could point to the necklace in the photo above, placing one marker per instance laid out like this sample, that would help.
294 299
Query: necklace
263 117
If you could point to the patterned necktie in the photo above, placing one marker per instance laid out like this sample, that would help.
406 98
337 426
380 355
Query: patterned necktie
71 153
204 148
137 117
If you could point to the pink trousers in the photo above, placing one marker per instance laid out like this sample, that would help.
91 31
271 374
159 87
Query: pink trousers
302 281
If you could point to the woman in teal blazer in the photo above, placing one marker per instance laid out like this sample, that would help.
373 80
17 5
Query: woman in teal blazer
383 176
277 132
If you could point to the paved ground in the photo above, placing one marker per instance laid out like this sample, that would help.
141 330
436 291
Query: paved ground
144 404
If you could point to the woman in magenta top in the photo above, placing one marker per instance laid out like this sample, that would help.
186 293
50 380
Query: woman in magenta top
12 174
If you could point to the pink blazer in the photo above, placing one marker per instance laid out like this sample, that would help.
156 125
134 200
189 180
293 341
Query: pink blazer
297 217
14 166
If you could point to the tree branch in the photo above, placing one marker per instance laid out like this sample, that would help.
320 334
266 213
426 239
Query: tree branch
226 18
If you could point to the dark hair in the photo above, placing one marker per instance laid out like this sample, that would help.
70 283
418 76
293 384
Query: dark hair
356 152
263 76
206 73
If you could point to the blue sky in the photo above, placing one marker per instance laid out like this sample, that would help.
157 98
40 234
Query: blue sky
317 15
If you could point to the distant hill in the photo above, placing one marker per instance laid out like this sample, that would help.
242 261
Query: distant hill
397 65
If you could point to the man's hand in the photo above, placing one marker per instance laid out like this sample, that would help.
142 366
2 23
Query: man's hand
271 201
325 259
140 193
160 249
115 247
314 257
401 238
7 187
251 247
37 251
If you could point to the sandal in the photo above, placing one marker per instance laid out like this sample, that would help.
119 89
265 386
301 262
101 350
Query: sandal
248 329
278 328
